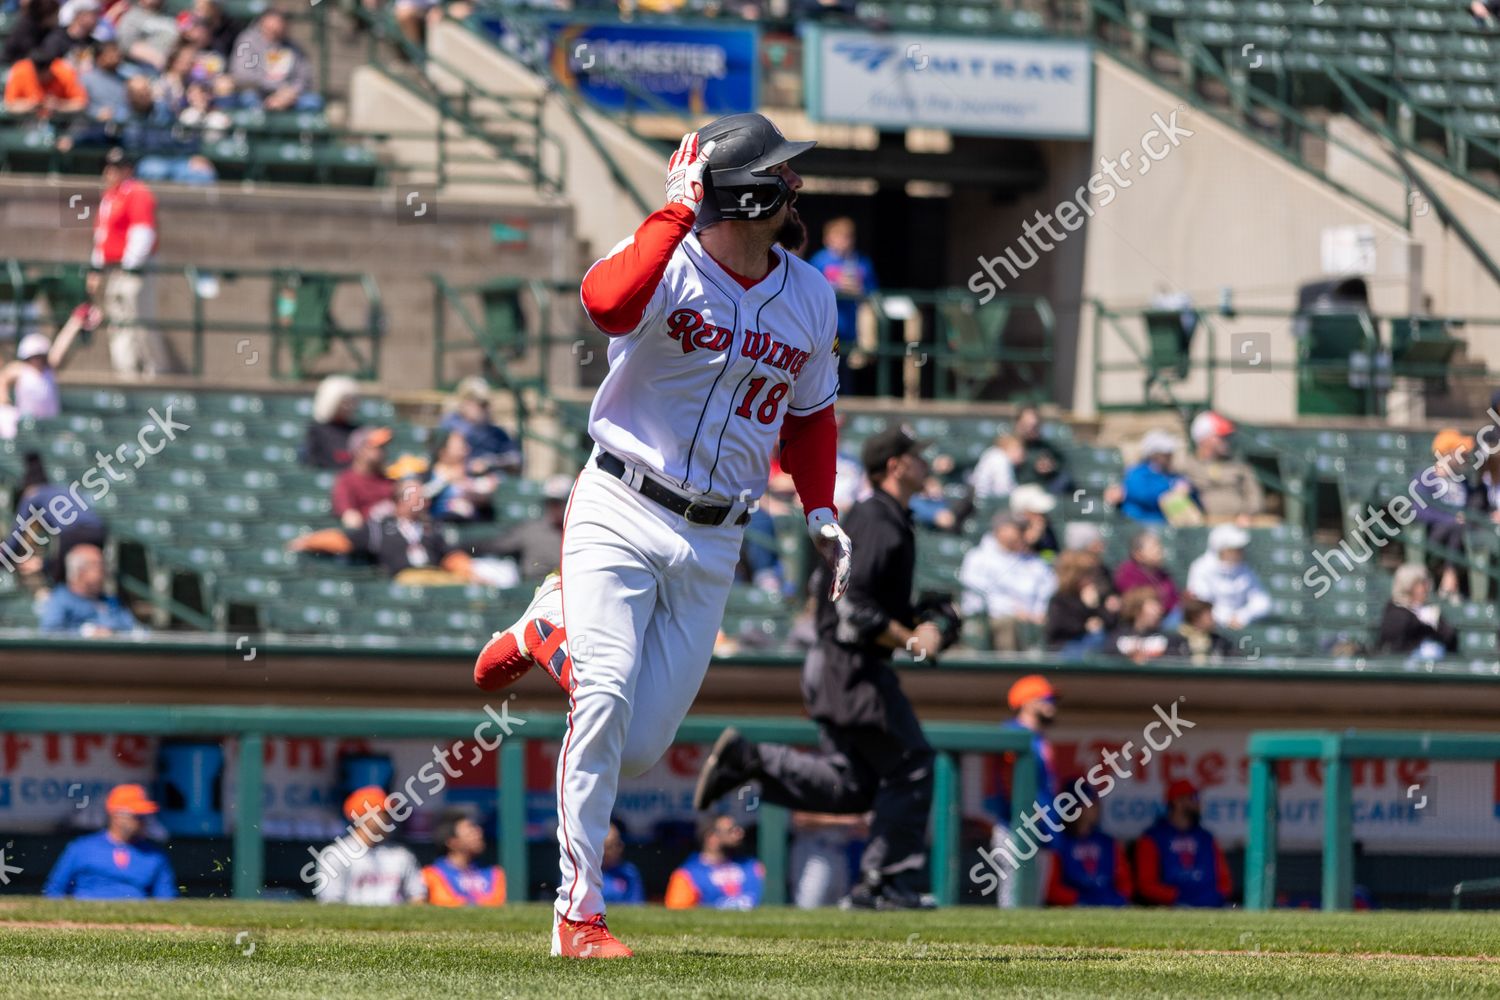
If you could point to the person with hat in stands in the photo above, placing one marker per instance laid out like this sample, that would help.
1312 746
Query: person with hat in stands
1151 483
363 492
873 752
1089 867
1227 487
1006 581
1222 578
491 449
28 385
1177 860
334 421
45 82
125 241
1444 504
1034 703
362 868
1032 504
118 862
455 879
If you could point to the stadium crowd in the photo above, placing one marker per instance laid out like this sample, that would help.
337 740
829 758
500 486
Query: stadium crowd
128 73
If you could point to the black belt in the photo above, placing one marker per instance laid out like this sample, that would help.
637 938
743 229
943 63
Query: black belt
693 511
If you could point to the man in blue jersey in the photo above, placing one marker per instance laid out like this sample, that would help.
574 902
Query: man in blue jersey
117 862
717 877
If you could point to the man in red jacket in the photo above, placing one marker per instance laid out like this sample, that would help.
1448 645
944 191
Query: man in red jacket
125 238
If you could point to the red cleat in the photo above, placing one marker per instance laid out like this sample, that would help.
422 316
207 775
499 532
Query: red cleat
585 939
501 662
537 637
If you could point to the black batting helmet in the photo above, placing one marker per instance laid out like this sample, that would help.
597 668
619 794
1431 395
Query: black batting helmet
738 183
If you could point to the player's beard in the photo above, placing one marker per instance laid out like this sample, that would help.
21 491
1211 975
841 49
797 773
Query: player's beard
792 233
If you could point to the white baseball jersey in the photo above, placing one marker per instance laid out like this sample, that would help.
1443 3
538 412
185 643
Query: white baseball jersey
383 875
696 393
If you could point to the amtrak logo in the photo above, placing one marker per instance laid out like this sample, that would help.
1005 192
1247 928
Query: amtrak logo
875 58
871 57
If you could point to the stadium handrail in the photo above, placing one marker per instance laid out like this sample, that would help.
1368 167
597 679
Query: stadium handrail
1297 666
1108 318
252 725
1336 751
1245 96
943 343
546 151
60 282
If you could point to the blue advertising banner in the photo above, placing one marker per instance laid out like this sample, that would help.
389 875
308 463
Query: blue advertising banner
688 69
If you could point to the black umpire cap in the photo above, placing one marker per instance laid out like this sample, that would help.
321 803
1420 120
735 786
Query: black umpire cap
893 442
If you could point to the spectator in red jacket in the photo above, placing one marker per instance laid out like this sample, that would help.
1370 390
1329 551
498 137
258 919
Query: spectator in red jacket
1088 865
1177 861
363 490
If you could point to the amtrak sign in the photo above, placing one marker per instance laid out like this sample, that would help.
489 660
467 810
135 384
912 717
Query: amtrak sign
982 86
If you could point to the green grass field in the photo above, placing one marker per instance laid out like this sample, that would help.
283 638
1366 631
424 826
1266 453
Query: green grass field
199 949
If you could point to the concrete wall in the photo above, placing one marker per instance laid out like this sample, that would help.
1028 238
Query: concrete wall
1218 211
314 228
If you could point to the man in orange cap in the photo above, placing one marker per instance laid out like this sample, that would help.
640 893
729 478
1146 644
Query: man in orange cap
361 868
118 862
1442 498
1035 704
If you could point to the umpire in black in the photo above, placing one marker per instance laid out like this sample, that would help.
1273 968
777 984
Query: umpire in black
873 753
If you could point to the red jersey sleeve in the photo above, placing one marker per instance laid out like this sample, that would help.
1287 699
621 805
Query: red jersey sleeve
140 206
809 454
618 288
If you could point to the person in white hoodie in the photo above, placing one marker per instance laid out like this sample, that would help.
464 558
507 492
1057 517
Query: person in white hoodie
1221 577
1006 581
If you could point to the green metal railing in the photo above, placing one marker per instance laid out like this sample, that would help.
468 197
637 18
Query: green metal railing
938 344
1336 752
300 316
1162 366
509 125
251 726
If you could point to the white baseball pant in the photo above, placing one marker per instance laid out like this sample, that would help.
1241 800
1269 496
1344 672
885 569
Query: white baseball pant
643 595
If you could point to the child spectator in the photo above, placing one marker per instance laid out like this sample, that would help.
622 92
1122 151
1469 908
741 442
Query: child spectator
1197 639
201 115
457 493
1140 637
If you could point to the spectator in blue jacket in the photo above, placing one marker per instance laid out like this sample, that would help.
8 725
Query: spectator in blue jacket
491 449
1151 480
82 607
117 862
622 880
1177 861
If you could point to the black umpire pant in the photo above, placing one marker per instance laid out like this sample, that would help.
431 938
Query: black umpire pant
885 766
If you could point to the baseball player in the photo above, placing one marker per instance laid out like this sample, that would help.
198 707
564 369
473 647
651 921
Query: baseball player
722 344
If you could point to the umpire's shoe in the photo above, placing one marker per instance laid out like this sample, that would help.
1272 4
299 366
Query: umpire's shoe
732 762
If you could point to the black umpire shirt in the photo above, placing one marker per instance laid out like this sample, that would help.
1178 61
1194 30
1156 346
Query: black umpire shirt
848 679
